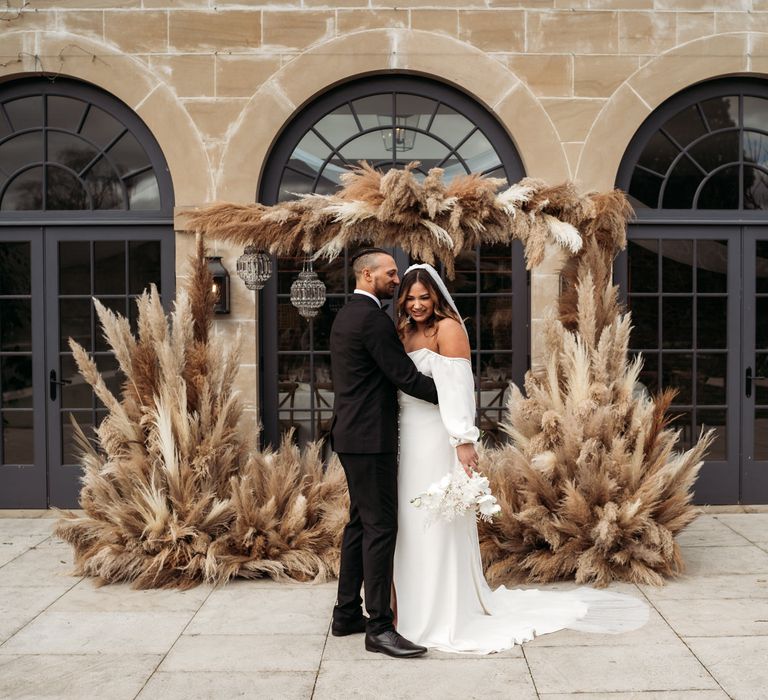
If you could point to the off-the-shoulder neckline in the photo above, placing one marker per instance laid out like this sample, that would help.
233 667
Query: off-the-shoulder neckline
437 354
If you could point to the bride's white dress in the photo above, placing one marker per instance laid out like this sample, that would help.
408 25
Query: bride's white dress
443 600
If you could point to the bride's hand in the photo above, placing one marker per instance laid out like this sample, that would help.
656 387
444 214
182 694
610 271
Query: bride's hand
467 455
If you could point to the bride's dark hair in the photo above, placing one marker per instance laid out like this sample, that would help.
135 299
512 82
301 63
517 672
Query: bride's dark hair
442 309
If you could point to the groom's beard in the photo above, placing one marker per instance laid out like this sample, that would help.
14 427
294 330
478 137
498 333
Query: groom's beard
385 291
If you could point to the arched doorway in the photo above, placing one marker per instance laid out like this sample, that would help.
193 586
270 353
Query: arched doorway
86 210
696 273
388 121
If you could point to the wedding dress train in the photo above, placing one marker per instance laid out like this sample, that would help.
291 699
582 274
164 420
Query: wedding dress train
443 600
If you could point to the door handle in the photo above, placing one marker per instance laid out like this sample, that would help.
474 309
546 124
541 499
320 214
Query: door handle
53 382
748 379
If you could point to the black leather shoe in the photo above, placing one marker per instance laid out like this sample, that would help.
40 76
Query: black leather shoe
393 644
343 630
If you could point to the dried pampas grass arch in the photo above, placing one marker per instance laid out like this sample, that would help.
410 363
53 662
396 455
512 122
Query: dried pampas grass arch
590 486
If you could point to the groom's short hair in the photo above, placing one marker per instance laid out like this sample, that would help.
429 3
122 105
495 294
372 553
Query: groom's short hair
365 258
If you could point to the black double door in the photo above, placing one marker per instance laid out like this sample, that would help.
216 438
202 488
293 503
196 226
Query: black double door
48 279
699 302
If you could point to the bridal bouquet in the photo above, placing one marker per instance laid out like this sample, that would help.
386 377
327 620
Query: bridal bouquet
455 494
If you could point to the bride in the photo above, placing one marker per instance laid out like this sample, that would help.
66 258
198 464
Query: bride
441 596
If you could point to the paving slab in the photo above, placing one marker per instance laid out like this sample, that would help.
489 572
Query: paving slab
12 546
702 617
224 653
42 565
723 587
712 561
97 633
662 695
738 664
19 605
425 678
269 685
608 669
241 610
26 526
710 531
752 526
97 676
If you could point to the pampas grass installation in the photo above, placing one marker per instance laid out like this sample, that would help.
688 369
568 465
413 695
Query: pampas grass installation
591 487
173 493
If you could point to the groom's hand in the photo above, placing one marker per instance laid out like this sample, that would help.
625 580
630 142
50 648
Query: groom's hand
467 455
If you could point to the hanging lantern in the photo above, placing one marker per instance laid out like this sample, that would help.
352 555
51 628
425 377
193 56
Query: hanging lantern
307 291
254 267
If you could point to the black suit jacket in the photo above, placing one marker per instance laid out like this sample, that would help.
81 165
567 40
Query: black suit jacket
369 365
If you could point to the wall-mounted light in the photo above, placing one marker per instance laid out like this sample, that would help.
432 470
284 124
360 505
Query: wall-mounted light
220 284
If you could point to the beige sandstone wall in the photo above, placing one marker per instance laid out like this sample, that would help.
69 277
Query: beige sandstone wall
571 81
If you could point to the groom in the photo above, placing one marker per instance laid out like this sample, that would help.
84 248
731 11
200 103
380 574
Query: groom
369 365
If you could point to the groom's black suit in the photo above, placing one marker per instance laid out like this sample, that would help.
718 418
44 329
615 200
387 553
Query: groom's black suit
369 365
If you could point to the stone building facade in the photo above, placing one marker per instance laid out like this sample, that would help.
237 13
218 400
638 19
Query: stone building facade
570 81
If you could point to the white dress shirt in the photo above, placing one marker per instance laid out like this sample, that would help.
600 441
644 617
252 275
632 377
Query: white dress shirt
368 294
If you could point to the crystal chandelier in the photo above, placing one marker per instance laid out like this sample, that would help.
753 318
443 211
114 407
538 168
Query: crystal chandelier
254 267
307 291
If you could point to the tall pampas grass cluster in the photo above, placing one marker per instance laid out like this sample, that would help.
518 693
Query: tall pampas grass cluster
591 487
174 492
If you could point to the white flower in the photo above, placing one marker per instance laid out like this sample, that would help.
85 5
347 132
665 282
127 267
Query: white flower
456 494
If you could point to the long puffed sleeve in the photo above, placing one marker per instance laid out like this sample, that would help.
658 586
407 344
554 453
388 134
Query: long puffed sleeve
456 393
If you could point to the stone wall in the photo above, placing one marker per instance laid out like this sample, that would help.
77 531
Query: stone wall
215 82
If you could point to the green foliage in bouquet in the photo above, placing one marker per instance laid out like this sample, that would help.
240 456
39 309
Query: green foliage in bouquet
591 487
174 492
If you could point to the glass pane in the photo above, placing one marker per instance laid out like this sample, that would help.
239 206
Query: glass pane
371 146
128 154
64 112
15 271
109 267
332 274
649 375
450 126
143 266
681 185
288 270
760 386
714 418
118 305
339 125
478 153
69 150
309 156
645 319
496 268
761 265
110 372
74 322
721 190
15 325
25 112
25 193
755 189
70 453
322 328
21 150
298 421
755 113
104 187
644 189
756 148
78 393
677 266
677 372
18 437
496 323
429 151
407 105
74 267
100 128
761 433
143 191
466 307
761 323
65 191
658 154
711 378
677 316
293 368
685 126
293 184
712 266
643 265
292 329
717 150
465 280
721 112
683 421
16 382
712 322
373 111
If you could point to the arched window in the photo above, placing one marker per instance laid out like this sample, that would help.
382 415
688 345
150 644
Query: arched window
63 146
696 273
388 121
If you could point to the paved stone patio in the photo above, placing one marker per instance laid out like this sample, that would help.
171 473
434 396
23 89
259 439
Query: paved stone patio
61 637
